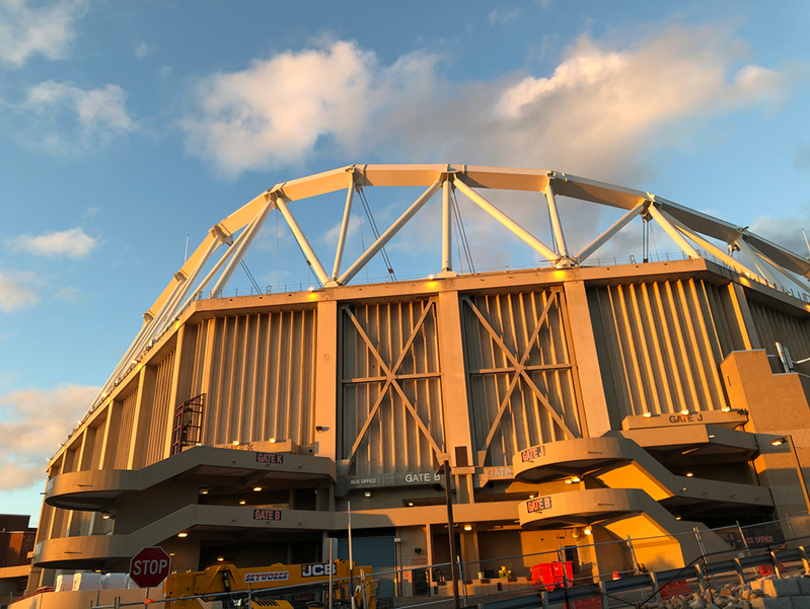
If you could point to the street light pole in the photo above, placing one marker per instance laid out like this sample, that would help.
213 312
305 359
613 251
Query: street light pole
451 530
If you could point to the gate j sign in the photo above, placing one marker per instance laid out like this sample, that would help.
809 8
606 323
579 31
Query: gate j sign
149 567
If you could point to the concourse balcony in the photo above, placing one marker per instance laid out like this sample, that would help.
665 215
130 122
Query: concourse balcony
97 490
618 484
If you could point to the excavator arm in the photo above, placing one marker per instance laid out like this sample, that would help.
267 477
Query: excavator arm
279 586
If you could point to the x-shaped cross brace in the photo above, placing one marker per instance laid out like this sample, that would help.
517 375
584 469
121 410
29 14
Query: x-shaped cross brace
520 370
391 381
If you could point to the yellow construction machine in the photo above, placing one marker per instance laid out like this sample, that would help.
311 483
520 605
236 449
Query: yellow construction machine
304 586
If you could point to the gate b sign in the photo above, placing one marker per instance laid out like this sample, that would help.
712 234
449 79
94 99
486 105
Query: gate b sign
149 567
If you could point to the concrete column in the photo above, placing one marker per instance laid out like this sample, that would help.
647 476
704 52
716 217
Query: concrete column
744 319
181 377
457 428
143 412
591 391
111 433
470 555
750 385
326 379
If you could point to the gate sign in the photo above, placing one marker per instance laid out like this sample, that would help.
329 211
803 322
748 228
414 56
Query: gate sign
149 567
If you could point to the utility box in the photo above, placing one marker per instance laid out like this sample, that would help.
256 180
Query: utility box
552 575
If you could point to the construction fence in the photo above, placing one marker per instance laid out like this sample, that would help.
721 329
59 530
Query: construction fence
567 577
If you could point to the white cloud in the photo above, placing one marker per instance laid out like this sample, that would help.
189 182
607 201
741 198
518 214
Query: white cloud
786 232
69 295
503 16
33 423
596 114
45 30
143 49
16 291
63 118
281 109
73 243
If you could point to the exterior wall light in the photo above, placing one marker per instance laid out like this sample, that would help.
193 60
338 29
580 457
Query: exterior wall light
689 474
183 534
257 489
468 527
367 494
242 502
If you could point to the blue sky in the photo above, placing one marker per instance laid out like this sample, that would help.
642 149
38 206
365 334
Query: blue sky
125 127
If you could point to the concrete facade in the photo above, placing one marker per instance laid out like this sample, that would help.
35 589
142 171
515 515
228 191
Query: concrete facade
655 387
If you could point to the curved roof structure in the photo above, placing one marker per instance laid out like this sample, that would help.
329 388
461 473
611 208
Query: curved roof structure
692 231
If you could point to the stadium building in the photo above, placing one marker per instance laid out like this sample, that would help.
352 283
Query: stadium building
580 401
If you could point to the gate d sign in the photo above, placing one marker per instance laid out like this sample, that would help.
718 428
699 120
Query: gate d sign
149 567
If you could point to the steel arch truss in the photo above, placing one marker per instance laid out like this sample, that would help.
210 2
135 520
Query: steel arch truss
767 262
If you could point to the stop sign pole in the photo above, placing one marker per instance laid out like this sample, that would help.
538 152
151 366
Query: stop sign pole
149 567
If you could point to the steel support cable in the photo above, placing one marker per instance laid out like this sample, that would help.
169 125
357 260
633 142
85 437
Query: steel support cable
250 276
655 243
463 233
458 244
386 260
362 236
460 240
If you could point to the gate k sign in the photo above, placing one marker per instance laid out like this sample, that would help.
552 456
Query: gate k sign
149 567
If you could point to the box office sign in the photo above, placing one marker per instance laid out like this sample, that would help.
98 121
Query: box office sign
397 479
754 537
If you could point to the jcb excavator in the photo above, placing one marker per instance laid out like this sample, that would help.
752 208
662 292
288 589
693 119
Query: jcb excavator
279 586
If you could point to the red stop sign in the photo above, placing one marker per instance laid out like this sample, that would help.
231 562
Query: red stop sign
149 567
